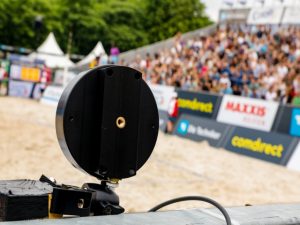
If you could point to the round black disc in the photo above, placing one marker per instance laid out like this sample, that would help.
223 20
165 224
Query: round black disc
107 122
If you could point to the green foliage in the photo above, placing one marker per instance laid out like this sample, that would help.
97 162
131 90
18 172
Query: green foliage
126 23
166 18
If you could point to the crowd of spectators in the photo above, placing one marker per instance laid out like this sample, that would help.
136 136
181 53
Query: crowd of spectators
257 62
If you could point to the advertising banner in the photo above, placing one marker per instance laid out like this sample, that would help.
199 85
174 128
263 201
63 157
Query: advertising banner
15 72
291 15
283 119
30 74
199 104
265 15
199 129
272 147
295 122
233 15
294 162
52 95
163 95
246 112
20 88
287 120
59 78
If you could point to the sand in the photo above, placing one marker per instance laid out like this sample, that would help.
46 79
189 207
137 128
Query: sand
177 167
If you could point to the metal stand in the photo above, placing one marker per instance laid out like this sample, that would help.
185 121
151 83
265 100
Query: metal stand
104 200
107 125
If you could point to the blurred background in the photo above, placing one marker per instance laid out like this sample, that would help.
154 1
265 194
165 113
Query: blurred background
225 75
78 25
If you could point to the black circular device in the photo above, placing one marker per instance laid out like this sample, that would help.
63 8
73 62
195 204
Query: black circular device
107 122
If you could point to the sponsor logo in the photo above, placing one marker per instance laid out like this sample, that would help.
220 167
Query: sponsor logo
295 123
30 74
297 117
246 112
257 145
185 127
246 108
195 105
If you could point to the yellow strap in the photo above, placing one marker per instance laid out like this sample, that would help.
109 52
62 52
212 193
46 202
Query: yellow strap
52 215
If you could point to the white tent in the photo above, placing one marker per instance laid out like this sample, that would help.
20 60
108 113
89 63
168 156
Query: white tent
97 51
51 53
50 46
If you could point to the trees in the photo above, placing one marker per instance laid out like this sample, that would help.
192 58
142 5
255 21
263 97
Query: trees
124 23
166 18
127 23
17 21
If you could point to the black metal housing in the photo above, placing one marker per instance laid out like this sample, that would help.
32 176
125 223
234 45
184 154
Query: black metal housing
87 126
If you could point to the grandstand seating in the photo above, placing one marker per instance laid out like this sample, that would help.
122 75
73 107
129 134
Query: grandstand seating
252 61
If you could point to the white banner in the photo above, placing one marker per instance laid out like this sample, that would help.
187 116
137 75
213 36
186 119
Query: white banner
51 95
59 77
20 88
163 95
15 71
291 15
265 15
246 112
294 162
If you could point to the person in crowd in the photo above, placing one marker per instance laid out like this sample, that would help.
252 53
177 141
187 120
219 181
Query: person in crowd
257 62
226 89
114 54
173 114
271 94
236 90
296 84
94 62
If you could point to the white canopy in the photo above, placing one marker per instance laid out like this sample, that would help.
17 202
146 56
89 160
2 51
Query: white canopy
97 51
50 46
51 53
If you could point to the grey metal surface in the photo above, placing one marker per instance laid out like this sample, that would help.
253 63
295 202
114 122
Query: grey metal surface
253 215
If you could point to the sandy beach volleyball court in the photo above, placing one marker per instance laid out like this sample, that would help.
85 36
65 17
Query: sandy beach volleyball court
178 167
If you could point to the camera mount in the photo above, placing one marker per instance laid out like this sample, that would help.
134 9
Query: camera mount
107 126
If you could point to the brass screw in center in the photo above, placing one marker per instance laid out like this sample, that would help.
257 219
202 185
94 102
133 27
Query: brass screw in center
121 122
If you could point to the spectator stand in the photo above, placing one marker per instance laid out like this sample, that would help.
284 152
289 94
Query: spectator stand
245 60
